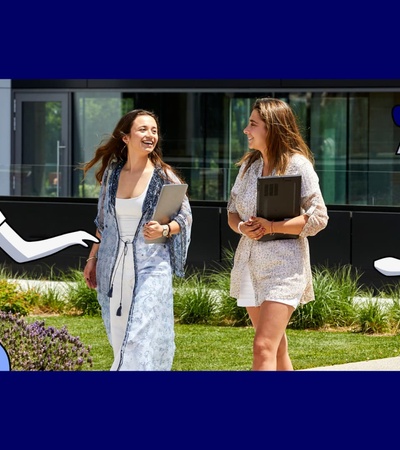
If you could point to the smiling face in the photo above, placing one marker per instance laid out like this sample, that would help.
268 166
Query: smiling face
256 132
143 136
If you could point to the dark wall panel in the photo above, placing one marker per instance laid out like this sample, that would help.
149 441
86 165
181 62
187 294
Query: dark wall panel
376 235
332 246
205 244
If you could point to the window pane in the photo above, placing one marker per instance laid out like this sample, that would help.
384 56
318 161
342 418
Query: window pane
40 174
358 149
328 132
95 116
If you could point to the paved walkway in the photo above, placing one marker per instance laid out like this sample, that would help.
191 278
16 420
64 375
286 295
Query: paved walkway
384 364
60 286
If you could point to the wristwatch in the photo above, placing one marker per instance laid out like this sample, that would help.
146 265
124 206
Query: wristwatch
165 232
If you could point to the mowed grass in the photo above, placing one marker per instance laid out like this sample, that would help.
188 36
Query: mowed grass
222 348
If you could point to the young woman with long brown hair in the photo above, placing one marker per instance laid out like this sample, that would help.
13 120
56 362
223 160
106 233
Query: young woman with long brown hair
133 278
272 278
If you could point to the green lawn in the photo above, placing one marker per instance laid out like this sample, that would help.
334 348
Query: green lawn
217 348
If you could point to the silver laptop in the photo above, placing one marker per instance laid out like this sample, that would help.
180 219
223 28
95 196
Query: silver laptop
278 198
168 205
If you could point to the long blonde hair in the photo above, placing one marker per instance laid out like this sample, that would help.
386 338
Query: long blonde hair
283 136
113 147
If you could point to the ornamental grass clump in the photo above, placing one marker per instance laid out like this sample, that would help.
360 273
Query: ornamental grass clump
194 300
33 347
82 300
219 278
335 290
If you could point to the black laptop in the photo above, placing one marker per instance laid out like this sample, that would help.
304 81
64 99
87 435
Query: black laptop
278 198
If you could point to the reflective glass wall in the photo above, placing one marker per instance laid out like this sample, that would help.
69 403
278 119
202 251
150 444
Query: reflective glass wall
352 135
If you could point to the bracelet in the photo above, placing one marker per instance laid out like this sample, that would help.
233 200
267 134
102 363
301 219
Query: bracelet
92 257
238 227
272 227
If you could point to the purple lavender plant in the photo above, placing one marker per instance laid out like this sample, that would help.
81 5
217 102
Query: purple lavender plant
33 347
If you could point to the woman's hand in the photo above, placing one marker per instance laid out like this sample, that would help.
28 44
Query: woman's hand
254 228
89 273
152 230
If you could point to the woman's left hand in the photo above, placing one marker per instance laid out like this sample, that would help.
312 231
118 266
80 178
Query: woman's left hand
254 228
152 230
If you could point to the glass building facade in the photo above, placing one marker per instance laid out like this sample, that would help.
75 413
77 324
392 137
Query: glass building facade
352 134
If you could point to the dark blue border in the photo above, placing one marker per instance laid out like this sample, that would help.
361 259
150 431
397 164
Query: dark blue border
212 40
201 408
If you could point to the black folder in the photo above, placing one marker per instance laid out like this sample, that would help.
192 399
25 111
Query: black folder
278 198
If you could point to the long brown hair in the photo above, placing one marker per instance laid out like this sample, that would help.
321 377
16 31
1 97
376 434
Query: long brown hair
113 147
283 136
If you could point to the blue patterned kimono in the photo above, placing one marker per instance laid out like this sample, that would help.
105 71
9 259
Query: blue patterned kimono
149 336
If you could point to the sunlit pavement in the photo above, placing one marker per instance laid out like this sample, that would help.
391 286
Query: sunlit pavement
384 364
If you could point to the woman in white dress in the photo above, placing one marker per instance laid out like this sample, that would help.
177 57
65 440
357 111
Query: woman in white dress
134 278
271 278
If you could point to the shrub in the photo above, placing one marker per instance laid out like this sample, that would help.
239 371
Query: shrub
13 300
32 347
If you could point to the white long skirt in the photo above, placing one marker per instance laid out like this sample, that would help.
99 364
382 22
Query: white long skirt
124 275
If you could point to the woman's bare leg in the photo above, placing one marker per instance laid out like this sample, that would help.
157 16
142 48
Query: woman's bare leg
283 361
254 314
270 335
